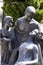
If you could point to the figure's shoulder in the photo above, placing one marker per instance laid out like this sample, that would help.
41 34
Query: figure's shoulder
20 19
34 21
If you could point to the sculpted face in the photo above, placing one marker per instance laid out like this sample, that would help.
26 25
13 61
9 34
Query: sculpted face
28 16
6 26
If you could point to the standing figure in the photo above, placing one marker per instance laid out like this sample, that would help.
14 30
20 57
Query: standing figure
4 43
24 27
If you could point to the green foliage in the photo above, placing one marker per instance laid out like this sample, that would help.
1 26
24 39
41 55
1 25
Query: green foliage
17 10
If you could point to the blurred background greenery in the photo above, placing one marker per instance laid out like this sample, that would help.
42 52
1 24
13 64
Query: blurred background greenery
16 8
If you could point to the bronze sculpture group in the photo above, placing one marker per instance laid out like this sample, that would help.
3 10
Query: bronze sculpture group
19 45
